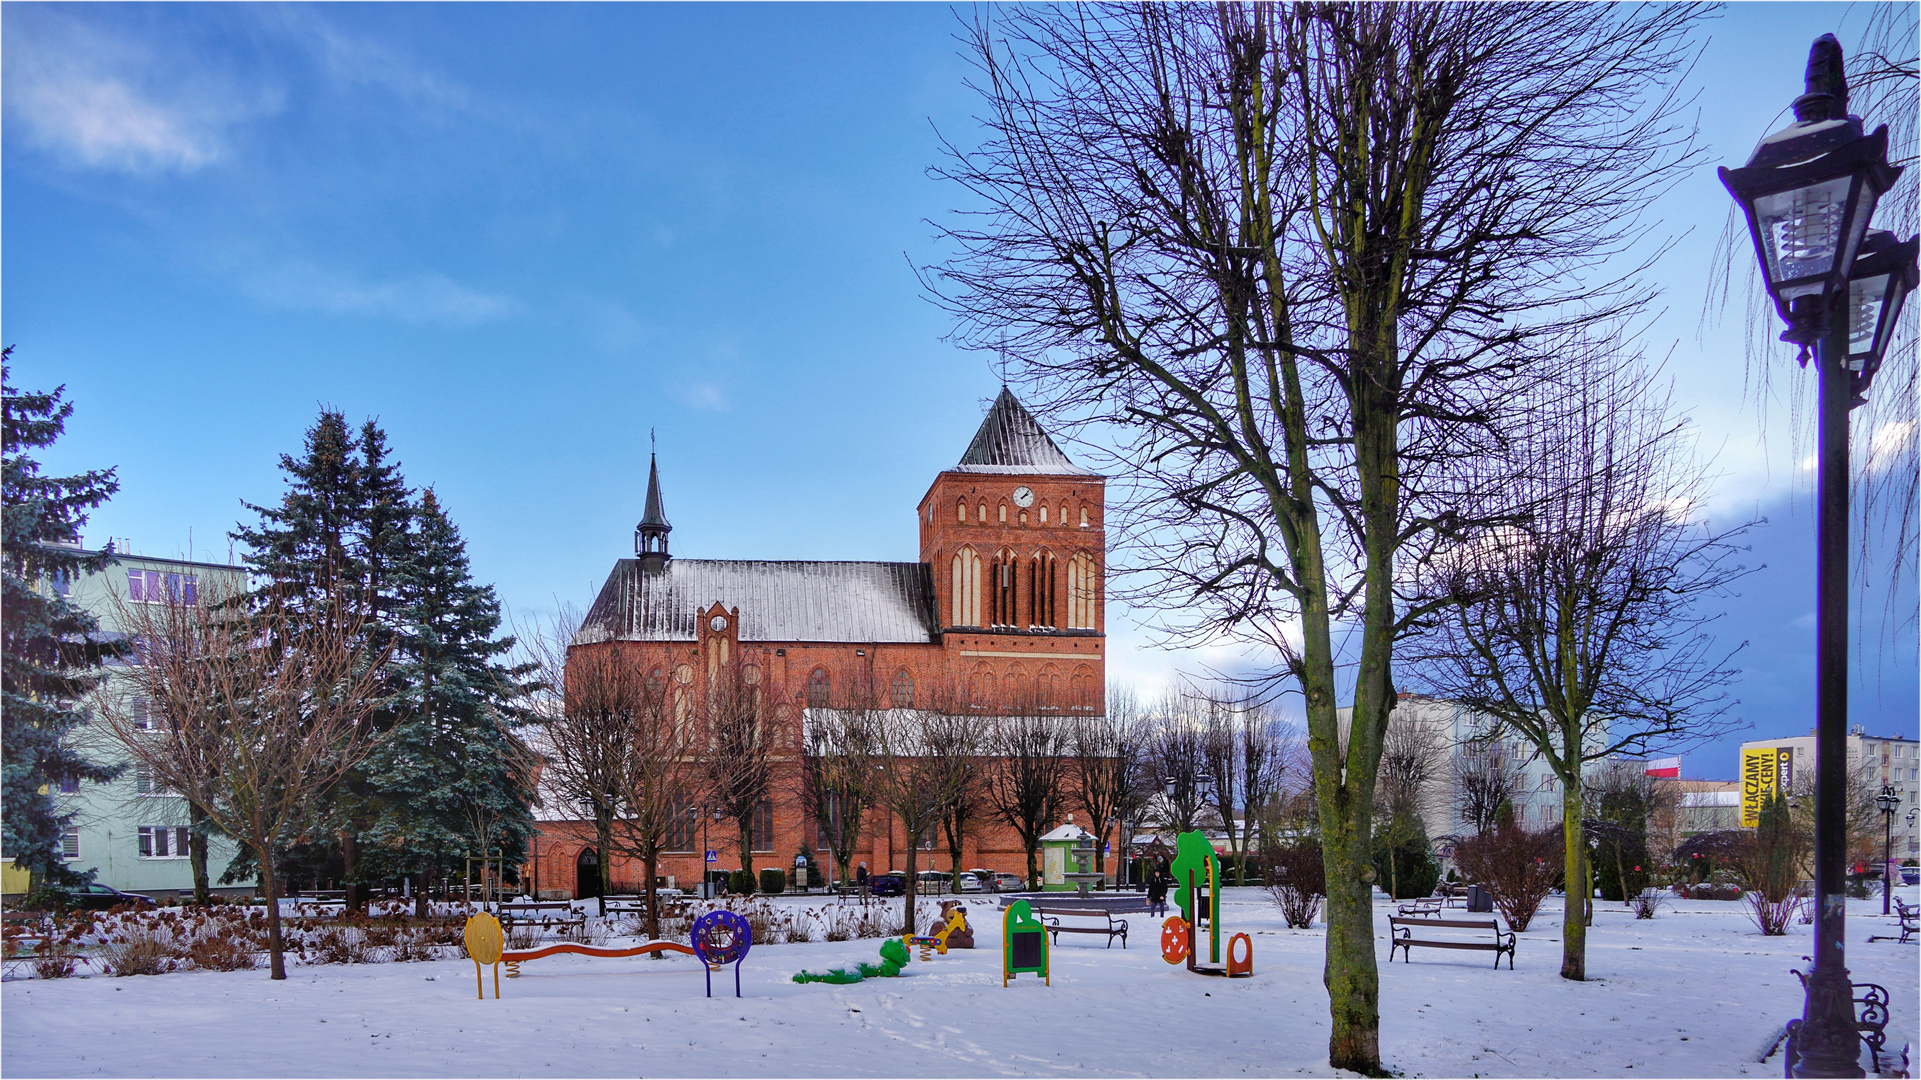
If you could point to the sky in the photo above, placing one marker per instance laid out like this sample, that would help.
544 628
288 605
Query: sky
530 238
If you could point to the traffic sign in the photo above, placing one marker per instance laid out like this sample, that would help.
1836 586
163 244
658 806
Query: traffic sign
713 856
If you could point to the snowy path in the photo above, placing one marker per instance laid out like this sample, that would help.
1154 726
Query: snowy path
1692 993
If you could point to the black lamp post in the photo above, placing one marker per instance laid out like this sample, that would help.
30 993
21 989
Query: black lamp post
1808 192
1889 801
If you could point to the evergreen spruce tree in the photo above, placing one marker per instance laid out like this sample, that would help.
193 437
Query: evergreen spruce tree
53 649
452 780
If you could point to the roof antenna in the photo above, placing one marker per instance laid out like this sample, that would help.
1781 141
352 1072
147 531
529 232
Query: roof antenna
1001 351
651 451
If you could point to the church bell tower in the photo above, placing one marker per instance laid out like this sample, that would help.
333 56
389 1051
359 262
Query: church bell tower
650 536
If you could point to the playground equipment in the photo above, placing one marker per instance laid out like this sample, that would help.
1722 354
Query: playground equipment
955 927
720 938
893 957
1195 868
484 943
1023 943
515 959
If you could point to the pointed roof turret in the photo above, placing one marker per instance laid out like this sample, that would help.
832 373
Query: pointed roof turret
650 536
1010 440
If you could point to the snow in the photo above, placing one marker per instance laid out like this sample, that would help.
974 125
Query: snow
1695 992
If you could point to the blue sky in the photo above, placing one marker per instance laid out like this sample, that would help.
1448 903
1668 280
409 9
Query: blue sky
523 236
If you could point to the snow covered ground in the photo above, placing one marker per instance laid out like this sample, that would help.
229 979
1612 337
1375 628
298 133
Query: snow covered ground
1692 993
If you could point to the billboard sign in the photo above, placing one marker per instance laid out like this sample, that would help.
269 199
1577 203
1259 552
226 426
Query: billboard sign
1765 772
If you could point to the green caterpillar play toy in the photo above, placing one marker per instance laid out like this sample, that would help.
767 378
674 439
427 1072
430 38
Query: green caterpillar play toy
893 957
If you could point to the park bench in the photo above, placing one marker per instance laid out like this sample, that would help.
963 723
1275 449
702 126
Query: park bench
1870 1023
1907 913
1112 927
1425 907
556 915
673 903
1403 930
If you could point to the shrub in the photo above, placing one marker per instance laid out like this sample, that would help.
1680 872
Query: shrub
1297 880
139 950
1646 902
741 883
1518 868
1767 862
220 952
773 882
54 966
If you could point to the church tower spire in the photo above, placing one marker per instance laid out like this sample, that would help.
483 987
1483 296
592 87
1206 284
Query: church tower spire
650 536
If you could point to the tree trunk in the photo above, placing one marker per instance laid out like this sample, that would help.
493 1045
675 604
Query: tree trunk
604 838
276 954
747 845
1353 981
422 908
1033 867
912 891
197 855
1574 870
648 866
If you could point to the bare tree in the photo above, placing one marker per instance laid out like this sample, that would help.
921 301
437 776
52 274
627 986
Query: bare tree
915 777
1177 763
1485 780
1299 256
740 738
1026 778
1109 773
1242 761
836 776
251 714
1414 754
1577 624
590 703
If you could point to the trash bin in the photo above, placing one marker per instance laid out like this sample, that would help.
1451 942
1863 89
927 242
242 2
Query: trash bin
1479 900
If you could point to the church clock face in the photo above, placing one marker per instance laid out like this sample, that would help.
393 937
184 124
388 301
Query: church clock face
1023 497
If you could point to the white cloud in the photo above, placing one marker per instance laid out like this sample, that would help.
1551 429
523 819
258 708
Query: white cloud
103 102
422 298
356 61
707 397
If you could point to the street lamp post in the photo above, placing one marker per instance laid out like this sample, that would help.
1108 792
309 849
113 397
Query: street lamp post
1808 192
1889 801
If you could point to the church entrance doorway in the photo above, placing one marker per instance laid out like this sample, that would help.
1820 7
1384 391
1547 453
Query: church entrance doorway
587 875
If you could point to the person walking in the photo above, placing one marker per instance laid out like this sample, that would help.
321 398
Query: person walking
1157 891
860 875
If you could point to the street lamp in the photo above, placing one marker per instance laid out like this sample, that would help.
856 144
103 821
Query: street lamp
1889 801
1808 192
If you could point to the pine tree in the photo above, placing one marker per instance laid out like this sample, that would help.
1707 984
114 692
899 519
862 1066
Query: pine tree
340 531
452 780
53 649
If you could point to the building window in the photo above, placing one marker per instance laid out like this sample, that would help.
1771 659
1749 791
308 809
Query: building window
1083 517
156 587
1083 592
760 832
1040 592
1001 595
142 712
164 841
1063 515
903 690
818 689
68 785
144 784
61 582
961 508
1043 513
70 844
684 833
967 588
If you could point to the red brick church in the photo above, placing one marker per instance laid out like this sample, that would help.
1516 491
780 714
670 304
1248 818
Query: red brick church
1004 607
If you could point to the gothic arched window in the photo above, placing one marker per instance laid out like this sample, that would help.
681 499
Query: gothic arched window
966 605
1083 517
1001 589
818 689
961 509
903 690
1041 592
1083 592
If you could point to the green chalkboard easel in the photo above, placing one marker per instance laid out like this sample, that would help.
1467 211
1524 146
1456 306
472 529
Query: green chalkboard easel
1023 943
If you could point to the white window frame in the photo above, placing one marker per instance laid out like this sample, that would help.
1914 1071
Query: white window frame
173 842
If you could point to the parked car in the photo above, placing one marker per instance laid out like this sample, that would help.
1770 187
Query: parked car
1005 882
887 884
1911 875
985 877
933 881
98 897
969 883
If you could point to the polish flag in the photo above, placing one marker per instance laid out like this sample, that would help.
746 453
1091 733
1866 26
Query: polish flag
1667 766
